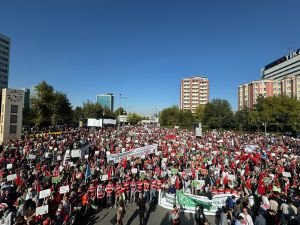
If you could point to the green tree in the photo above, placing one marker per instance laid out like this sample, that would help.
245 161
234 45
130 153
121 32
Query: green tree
169 117
62 110
134 118
120 111
218 114
92 110
42 104
199 113
77 114
242 119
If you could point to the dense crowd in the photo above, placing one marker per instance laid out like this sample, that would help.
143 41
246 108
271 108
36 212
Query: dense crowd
40 185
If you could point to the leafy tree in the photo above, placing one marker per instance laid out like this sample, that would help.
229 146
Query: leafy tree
242 119
169 117
218 114
77 114
199 113
92 110
134 118
62 110
120 111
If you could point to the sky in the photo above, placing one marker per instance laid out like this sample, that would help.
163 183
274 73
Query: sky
142 49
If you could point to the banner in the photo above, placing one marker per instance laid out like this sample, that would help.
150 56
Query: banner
188 201
110 121
64 189
41 210
44 193
218 201
94 122
138 152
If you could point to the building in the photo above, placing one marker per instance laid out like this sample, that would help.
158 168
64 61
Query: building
288 65
248 93
4 60
11 114
26 98
106 100
194 91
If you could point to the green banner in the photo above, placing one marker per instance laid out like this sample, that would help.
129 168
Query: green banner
55 180
191 202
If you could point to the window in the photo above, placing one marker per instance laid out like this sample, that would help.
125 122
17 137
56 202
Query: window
13 118
13 129
14 109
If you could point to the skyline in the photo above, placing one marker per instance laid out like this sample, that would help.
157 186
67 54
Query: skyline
82 49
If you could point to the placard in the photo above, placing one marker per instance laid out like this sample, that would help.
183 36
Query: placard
42 210
64 189
231 177
134 170
11 177
143 156
286 174
9 166
86 156
58 158
75 153
204 171
55 180
97 152
44 193
30 156
104 177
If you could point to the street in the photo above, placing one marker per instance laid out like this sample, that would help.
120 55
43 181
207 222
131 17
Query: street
154 215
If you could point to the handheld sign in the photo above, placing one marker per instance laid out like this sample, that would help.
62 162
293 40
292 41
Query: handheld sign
11 177
64 189
44 193
9 166
42 210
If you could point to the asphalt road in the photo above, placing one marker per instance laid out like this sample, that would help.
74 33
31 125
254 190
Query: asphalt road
155 215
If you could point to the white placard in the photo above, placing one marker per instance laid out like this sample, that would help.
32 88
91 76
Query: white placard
42 210
58 157
64 189
209 162
142 171
30 156
9 166
143 156
286 174
104 177
44 193
97 152
94 123
134 170
86 156
11 177
76 153
273 154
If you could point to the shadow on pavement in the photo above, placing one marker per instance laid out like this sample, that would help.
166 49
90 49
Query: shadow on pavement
165 220
152 208
133 216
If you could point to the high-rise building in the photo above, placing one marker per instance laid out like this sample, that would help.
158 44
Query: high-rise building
194 91
248 93
26 98
285 66
4 60
106 100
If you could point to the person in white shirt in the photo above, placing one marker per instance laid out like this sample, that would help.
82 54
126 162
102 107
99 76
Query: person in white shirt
247 218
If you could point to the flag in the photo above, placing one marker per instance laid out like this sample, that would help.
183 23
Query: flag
185 200
87 173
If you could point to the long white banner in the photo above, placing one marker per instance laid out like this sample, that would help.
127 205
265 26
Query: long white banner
137 152
168 200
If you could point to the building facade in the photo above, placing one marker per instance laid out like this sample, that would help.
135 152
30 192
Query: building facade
106 100
288 65
194 91
11 114
4 60
249 92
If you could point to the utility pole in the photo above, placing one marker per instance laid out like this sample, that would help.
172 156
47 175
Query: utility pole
119 112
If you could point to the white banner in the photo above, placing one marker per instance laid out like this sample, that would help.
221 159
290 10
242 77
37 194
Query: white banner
138 152
94 123
76 153
168 200
9 166
110 121
11 177
30 156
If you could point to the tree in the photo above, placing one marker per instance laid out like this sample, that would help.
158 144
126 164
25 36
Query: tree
50 107
169 117
199 113
42 104
120 111
77 114
218 114
134 118
242 119
92 110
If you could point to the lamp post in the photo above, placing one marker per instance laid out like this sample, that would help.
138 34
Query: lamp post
119 112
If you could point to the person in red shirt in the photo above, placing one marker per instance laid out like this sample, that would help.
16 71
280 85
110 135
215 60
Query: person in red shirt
153 189
109 193
146 190
118 188
101 194
126 185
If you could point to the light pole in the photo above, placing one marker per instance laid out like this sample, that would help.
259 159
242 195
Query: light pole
119 112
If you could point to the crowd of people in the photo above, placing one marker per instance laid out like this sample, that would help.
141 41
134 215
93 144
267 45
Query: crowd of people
40 185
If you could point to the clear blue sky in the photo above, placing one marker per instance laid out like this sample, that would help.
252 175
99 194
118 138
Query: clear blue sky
142 48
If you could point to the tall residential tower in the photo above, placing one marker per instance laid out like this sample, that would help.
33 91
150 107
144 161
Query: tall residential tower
194 91
4 60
